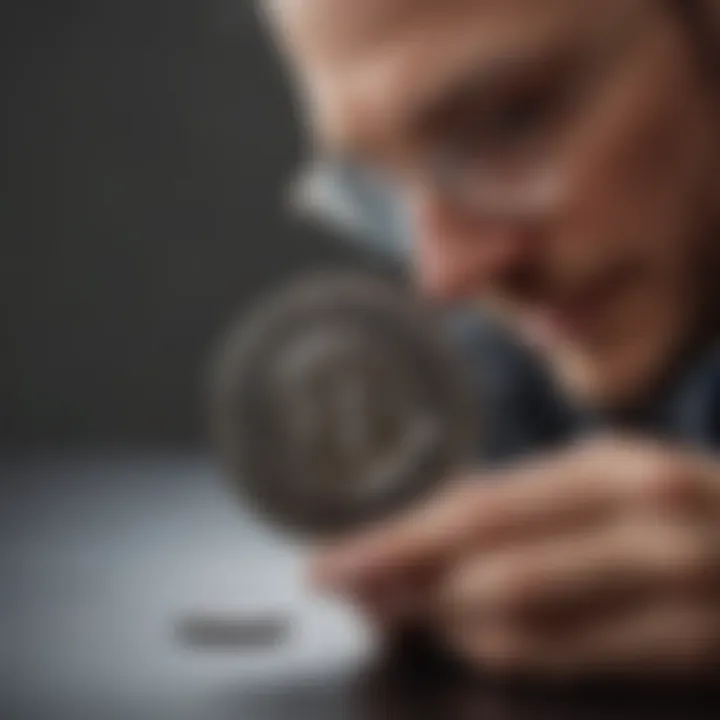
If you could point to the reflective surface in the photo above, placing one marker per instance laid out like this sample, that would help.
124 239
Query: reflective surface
101 556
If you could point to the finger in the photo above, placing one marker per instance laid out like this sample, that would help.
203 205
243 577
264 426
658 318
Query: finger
542 496
672 638
564 579
498 646
669 640
545 497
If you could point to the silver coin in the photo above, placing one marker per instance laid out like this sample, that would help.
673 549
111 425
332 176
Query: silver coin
211 631
338 400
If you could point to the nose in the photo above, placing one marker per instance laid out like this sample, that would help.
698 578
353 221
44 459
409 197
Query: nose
458 257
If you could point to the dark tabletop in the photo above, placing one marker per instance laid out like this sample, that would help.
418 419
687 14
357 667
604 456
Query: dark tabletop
101 555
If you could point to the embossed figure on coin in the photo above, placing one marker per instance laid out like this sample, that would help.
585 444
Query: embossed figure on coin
351 412
337 401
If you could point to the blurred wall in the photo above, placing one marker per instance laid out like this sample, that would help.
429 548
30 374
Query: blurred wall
147 142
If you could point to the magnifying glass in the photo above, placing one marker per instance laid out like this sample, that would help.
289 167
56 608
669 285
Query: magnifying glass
337 401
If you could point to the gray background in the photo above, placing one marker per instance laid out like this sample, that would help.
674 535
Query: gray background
146 147
146 143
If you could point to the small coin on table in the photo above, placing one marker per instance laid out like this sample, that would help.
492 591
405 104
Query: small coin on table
233 631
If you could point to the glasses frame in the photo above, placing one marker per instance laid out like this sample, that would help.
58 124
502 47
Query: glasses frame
366 207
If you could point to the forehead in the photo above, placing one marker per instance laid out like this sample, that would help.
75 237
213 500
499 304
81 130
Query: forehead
366 66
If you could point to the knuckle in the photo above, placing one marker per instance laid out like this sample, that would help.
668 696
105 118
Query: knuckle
496 588
690 557
471 592
461 499
665 481
511 586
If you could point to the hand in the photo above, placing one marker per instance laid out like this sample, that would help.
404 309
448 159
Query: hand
604 559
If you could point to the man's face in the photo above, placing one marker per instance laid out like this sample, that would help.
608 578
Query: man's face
602 98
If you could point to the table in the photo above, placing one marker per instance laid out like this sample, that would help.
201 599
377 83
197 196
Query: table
102 552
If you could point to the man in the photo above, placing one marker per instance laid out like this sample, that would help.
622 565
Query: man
556 162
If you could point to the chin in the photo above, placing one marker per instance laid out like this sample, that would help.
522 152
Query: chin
617 378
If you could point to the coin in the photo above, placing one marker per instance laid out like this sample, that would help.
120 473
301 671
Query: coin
213 631
338 400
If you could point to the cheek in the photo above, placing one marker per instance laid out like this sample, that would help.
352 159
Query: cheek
636 198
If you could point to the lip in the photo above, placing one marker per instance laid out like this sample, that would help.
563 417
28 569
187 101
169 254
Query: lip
577 317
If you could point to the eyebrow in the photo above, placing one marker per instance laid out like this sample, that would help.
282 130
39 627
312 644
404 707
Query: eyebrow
488 80
482 78
545 55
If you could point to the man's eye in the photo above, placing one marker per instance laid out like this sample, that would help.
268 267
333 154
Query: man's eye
519 118
516 123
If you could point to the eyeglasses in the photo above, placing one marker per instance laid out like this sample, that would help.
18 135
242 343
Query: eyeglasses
503 156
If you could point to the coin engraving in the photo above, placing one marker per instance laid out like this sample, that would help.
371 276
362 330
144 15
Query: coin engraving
338 401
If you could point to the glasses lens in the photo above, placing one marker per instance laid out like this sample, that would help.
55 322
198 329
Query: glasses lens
359 204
